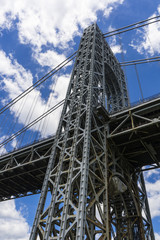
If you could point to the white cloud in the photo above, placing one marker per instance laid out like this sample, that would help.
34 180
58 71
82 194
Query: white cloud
113 4
13 225
16 79
56 23
41 23
3 149
14 143
58 94
49 58
151 174
148 39
157 236
116 47
153 192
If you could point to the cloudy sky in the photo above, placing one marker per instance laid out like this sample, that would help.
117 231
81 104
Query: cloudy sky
37 35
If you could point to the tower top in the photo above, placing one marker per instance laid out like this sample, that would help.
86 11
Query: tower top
106 65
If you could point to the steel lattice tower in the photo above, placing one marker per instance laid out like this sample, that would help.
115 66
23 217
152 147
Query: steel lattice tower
94 193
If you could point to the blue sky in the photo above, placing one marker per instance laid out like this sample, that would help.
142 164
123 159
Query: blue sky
37 35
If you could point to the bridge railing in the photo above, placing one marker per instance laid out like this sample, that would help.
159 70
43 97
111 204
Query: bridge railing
145 100
141 101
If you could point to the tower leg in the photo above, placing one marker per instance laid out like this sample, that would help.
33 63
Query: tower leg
130 215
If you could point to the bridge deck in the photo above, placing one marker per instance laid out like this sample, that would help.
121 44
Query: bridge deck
134 133
22 171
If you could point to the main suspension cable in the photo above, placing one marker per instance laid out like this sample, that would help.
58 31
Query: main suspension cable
124 29
37 83
140 61
32 123
131 25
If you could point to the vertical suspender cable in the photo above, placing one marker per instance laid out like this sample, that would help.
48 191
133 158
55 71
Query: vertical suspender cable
139 83
12 125
123 59
29 115
32 133
45 123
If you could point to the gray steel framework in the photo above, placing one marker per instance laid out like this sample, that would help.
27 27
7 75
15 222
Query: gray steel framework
94 192
23 167
93 187
22 171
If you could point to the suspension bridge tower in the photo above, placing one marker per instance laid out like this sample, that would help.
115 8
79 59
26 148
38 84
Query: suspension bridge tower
90 190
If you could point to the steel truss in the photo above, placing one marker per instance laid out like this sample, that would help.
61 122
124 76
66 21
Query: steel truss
128 203
135 132
94 192
22 171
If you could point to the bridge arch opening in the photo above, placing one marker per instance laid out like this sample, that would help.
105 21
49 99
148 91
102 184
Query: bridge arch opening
113 89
